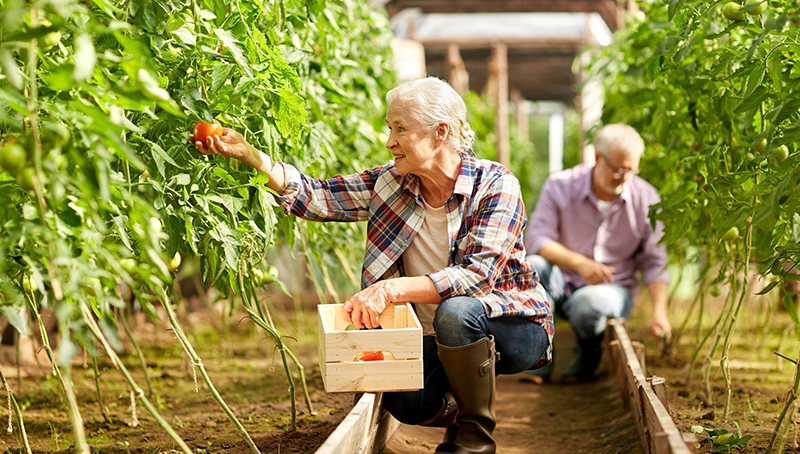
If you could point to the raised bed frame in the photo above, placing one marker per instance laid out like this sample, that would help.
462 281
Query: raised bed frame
367 428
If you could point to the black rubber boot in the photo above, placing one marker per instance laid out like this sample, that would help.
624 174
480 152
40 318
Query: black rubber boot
446 416
584 361
470 371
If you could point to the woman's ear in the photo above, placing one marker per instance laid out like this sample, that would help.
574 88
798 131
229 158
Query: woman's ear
441 133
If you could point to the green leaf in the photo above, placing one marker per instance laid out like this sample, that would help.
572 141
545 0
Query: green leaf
220 73
790 306
185 36
233 204
12 313
15 100
85 58
10 68
753 101
230 42
119 222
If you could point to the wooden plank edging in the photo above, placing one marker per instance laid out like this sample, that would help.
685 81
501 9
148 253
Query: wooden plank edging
365 430
647 396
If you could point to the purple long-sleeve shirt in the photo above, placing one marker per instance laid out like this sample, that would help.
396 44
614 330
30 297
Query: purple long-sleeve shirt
568 213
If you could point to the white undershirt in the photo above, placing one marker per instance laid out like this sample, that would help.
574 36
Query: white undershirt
604 206
428 253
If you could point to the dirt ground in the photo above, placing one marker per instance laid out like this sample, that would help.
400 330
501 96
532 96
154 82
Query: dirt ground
242 364
244 367
549 418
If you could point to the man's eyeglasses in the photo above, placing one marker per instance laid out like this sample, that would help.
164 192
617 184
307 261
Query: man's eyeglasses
619 173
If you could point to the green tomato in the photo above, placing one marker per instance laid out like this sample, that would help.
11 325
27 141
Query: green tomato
758 10
731 234
155 224
25 178
128 264
54 134
258 277
13 157
781 153
731 11
715 292
761 146
51 39
29 285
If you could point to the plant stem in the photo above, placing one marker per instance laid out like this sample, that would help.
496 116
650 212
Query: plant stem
17 412
282 349
78 432
124 321
725 363
106 418
791 398
89 317
197 362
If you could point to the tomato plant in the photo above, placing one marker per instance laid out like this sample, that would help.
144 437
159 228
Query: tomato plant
733 88
101 94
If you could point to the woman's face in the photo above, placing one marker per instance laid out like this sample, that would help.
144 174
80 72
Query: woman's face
411 144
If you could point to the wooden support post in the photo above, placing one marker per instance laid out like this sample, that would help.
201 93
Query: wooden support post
659 385
456 70
638 347
500 67
520 114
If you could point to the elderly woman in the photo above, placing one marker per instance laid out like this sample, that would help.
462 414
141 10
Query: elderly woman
445 232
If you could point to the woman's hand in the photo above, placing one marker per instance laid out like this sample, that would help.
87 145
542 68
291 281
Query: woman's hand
230 144
364 308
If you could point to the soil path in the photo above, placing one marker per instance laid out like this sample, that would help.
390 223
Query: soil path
546 419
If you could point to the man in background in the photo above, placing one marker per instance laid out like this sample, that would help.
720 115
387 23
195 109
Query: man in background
588 237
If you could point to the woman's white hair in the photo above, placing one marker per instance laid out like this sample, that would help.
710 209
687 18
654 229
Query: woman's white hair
618 137
433 101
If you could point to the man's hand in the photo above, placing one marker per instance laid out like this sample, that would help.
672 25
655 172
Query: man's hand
364 308
659 325
595 272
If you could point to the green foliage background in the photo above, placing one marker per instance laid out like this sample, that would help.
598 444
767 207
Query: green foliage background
104 96
703 91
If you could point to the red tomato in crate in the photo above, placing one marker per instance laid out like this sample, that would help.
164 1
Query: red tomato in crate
369 356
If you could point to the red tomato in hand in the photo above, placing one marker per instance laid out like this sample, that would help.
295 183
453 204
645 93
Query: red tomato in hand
203 131
369 356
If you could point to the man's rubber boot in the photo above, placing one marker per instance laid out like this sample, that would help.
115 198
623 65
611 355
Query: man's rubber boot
538 376
470 371
585 360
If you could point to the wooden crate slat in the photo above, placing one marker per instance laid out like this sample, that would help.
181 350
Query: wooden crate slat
368 376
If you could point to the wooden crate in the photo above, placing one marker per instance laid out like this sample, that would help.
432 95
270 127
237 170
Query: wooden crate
401 335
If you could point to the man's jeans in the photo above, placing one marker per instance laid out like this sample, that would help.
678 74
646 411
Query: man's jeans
458 322
586 308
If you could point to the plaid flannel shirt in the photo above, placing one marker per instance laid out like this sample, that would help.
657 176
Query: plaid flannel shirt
485 223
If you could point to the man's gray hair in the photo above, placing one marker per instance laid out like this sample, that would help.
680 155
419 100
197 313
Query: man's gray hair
618 137
433 101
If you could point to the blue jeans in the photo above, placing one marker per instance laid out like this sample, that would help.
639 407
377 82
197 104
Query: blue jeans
461 321
586 308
